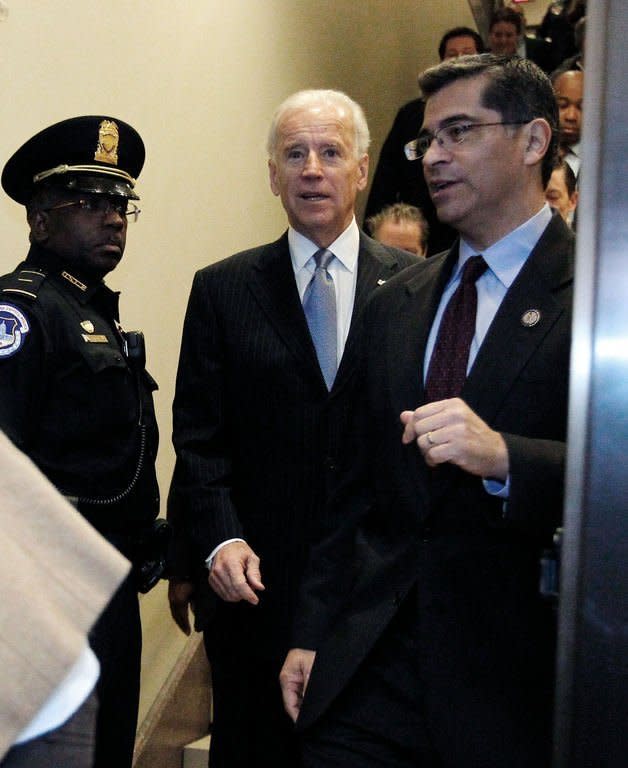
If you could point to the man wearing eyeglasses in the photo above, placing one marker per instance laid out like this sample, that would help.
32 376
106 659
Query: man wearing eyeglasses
74 393
421 637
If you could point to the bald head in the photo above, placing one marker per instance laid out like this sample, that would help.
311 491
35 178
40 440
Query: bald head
569 89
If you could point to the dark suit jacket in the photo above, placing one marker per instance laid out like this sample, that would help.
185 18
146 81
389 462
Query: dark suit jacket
399 180
259 439
542 53
486 638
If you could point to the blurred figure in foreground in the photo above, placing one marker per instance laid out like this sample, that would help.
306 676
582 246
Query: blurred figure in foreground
61 575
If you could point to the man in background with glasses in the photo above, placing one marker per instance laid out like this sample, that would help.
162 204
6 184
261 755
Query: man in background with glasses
429 641
74 393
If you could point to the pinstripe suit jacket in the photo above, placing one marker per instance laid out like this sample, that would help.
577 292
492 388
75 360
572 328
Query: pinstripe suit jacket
259 439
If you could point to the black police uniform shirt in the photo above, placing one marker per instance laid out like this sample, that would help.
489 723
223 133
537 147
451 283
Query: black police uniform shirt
70 398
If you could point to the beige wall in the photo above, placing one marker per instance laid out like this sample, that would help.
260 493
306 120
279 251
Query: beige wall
199 80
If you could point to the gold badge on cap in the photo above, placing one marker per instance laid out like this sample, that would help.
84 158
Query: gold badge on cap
88 326
107 148
530 318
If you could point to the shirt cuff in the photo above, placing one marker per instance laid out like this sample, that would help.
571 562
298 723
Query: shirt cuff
497 488
210 560
66 698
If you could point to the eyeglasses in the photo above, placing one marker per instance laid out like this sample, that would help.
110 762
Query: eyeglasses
103 206
447 137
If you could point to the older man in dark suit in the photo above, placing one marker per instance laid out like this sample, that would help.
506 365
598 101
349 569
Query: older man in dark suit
433 645
265 385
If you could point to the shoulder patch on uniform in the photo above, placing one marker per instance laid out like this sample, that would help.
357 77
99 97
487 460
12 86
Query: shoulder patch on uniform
24 283
13 328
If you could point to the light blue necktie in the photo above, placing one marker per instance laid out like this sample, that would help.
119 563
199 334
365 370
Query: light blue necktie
319 305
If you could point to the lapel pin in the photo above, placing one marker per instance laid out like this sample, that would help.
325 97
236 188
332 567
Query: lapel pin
87 326
380 282
530 318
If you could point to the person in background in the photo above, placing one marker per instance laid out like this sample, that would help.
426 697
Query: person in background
59 574
569 91
561 192
74 393
399 180
402 226
577 60
265 388
506 37
421 637
557 29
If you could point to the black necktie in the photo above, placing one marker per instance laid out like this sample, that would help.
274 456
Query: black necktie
448 366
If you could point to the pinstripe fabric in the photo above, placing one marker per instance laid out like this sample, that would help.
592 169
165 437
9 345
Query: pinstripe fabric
251 404
259 439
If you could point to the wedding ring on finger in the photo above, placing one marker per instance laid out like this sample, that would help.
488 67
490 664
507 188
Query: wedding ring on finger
429 439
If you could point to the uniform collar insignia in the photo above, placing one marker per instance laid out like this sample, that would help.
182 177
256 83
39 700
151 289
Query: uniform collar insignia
74 281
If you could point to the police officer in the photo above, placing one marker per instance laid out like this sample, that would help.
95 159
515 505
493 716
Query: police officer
74 394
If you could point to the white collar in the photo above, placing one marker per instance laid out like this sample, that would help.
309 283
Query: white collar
345 247
506 257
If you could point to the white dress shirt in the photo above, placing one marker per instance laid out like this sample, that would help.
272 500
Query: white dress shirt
572 158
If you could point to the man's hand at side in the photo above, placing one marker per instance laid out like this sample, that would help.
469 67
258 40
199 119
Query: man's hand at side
180 596
294 677
235 574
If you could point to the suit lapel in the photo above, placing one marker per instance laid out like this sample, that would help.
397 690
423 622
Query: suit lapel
376 265
272 283
525 317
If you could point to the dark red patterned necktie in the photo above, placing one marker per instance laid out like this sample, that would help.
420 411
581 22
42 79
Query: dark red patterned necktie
448 365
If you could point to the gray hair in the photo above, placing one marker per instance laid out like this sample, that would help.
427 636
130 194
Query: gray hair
316 97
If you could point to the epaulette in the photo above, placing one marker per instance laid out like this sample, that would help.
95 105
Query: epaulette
24 283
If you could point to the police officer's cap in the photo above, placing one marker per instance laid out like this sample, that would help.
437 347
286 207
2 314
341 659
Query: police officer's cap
95 154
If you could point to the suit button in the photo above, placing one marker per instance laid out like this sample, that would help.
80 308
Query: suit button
426 534
330 464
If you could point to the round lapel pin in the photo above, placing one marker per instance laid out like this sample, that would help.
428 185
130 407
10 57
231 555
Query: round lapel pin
530 318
